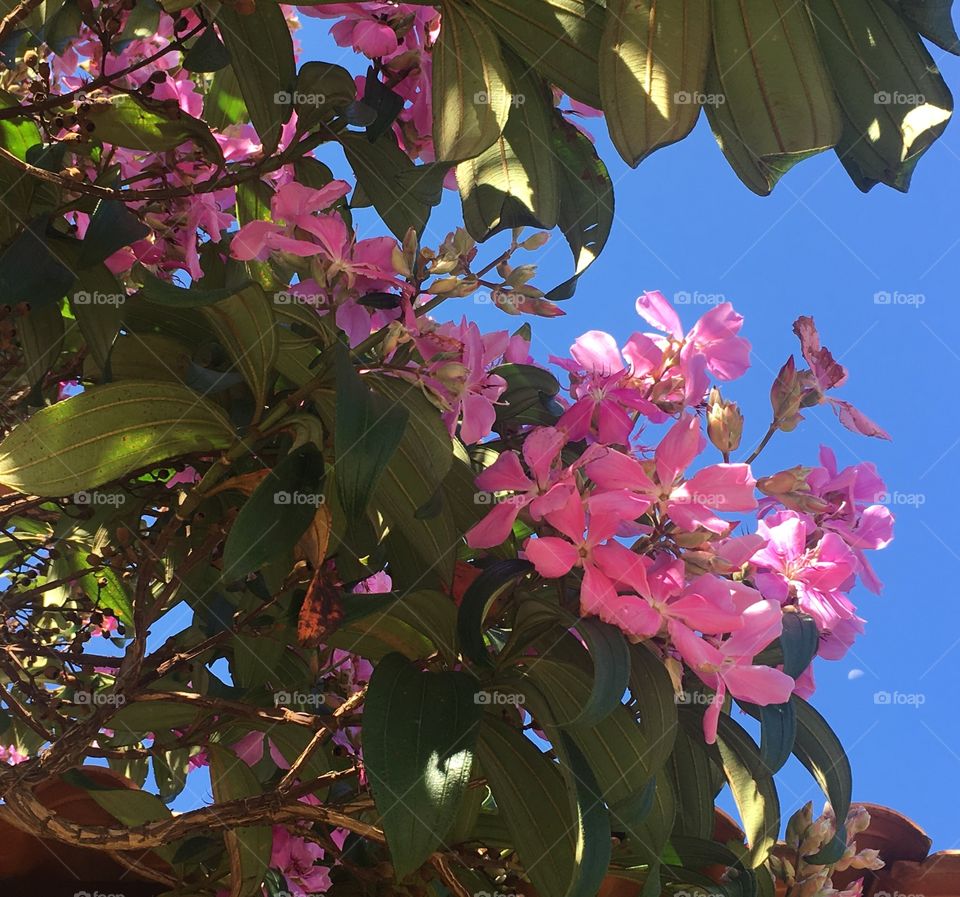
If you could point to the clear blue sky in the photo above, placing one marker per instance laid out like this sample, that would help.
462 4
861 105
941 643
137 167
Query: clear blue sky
820 247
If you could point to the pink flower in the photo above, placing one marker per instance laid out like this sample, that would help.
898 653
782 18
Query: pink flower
604 388
546 491
728 665
814 577
297 861
294 205
711 345
691 503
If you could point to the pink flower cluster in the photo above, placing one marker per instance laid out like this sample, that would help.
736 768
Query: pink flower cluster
646 528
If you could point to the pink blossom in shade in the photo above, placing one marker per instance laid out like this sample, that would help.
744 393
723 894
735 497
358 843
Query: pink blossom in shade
106 627
186 477
458 360
12 755
294 205
251 746
825 374
547 489
297 860
728 665
604 389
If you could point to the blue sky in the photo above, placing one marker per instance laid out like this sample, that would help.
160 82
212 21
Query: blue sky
685 224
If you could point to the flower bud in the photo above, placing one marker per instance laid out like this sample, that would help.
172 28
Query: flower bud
724 423
786 395
400 262
443 286
798 824
536 241
794 479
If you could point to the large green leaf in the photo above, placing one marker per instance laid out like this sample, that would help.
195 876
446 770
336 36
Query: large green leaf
559 38
821 752
471 90
894 102
277 513
246 327
586 201
248 848
107 432
135 123
515 183
653 65
261 48
752 787
769 97
493 583
369 428
401 192
558 835
419 733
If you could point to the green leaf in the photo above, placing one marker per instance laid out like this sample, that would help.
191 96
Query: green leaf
752 787
820 751
799 641
170 770
135 123
559 836
586 201
276 515
223 105
652 691
208 54
246 328
40 334
471 90
163 292
248 848
323 91
402 193
99 321
419 736
934 20
37 267
516 182
106 433
494 582
261 48
653 63
559 38
430 616
112 226
690 774
368 431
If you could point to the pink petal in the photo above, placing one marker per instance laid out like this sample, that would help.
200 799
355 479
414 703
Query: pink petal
726 487
678 448
654 308
505 474
759 684
856 420
597 352
494 529
553 557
